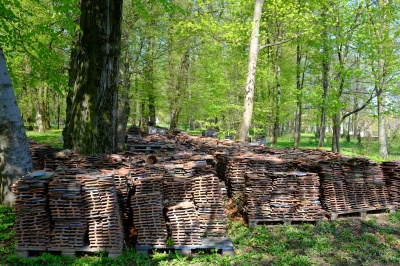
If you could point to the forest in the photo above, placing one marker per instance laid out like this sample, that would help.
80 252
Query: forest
328 68
290 71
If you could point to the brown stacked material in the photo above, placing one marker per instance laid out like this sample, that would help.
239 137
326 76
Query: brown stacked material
353 184
40 154
391 171
334 195
133 133
266 163
178 170
148 219
258 195
283 195
102 211
308 194
377 186
210 205
67 212
122 187
176 190
235 170
357 192
184 224
283 201
32 224
148 185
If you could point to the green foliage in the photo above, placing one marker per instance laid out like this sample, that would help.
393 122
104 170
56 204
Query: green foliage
7 233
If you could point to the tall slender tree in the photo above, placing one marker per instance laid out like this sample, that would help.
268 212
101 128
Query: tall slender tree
251 72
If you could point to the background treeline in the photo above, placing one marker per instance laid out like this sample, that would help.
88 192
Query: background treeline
328 67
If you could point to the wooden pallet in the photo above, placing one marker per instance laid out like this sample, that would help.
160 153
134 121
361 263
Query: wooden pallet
31 252
222 244
285 221
362 213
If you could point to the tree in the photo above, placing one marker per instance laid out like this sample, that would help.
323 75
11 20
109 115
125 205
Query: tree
92 124
15 159
251 73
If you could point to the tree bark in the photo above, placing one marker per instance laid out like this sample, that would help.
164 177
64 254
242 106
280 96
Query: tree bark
336 133
150 78
382 136
325 87
123 104
299 104
251 73
277 102
15 158
92 124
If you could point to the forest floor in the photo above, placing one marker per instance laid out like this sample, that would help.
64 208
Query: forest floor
370 240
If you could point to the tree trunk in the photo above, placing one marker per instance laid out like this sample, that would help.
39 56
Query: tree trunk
299 104
325 84
277 77
336 133
150 78
123 105
251 73
15 158
92 125
382 136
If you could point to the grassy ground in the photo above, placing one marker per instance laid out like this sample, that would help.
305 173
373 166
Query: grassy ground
351 241
51 137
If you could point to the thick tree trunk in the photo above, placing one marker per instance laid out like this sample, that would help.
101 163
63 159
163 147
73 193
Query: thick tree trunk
92 125
15 158
251 73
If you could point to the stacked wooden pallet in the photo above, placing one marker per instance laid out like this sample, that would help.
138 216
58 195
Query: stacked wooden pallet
308 194
391 171
283 201
283 195
148 219
235 170
178 170
102 211
148 185
210 205
334 196
176 189
40 154
32 224
258 195
122 188
184 224
377 185
352 185
67 212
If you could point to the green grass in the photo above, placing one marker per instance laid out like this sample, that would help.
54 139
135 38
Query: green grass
371 241
51 137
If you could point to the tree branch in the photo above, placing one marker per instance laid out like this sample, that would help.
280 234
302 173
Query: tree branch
359 108
280 42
